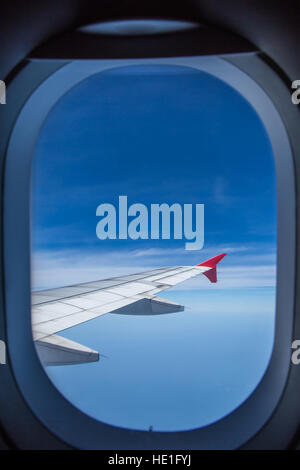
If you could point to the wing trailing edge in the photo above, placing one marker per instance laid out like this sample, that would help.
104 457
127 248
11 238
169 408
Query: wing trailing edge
55 350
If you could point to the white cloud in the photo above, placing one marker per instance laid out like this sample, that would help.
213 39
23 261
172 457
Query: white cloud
181 251
243 276
60 268
221 193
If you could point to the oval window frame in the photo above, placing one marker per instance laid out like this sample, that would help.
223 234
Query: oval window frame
24 359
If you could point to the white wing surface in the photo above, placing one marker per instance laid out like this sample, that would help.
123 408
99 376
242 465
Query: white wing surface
55 310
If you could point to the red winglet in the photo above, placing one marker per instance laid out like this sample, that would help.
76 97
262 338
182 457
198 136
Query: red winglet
211 274
212 262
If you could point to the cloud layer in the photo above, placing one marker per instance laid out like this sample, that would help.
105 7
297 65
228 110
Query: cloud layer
242 268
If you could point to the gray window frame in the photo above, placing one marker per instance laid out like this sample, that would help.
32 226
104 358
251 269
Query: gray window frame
51 408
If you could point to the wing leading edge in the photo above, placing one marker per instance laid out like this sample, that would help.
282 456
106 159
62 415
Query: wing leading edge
55 310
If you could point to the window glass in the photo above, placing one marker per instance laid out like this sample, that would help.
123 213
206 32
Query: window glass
152 135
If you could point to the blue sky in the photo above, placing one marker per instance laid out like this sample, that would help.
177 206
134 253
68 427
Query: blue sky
160 134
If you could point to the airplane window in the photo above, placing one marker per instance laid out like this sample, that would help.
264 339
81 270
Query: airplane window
144 177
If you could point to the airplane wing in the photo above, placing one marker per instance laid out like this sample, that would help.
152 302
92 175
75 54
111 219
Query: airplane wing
54 310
